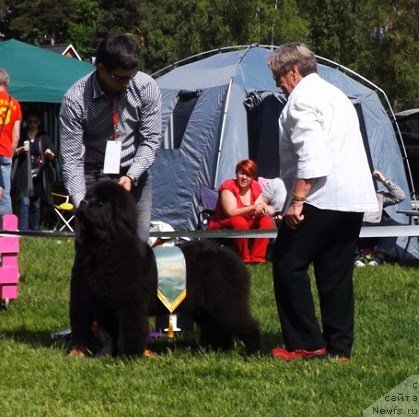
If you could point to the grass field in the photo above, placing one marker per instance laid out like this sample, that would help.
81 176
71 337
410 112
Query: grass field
38 379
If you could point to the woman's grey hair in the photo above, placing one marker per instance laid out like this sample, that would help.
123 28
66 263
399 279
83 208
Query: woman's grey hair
4 77
289 54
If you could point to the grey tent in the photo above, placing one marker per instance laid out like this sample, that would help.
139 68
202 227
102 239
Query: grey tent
224 107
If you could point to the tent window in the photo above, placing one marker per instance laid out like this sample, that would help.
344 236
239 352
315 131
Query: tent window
179 119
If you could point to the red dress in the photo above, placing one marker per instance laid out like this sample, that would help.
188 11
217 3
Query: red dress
255 250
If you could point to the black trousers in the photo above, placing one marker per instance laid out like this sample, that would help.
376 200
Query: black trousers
327 239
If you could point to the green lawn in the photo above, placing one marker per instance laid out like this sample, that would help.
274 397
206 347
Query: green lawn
38 379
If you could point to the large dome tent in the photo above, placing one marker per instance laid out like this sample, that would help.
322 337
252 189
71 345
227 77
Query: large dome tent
222 106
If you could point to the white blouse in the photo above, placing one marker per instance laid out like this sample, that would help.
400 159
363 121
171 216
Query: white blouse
320 138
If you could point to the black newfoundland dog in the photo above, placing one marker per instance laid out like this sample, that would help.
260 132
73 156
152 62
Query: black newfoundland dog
121 276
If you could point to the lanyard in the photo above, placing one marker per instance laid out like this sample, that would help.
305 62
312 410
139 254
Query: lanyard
115 117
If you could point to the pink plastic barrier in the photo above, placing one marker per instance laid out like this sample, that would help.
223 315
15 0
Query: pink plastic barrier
9 269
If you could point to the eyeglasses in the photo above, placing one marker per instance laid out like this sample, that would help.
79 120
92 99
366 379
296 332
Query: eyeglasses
121 80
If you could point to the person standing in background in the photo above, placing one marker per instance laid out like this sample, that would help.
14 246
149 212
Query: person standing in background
10 118
31 179
325 170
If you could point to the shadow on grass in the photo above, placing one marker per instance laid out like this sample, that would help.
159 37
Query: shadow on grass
160 345
409 264
35 339
189 342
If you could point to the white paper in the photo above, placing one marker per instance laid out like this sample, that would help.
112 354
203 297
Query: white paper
112 157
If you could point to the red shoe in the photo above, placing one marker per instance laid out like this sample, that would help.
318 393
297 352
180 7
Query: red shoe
286 355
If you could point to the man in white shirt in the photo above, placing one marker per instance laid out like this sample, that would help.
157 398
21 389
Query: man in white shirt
325 169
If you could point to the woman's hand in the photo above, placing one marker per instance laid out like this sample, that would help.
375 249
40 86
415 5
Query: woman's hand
21 150
49 154
293 216
260 209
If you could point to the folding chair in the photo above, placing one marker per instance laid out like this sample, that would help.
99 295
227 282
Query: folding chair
207 207
64 211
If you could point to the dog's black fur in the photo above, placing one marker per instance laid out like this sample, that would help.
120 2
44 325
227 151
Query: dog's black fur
121 276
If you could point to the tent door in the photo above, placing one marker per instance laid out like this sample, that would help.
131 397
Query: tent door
263 135
179 119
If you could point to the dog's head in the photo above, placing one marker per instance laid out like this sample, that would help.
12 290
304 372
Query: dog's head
106 212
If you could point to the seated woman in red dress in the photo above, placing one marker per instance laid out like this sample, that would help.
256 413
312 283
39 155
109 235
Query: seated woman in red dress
236 209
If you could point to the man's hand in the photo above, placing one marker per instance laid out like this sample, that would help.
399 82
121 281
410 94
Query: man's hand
1 193
126 182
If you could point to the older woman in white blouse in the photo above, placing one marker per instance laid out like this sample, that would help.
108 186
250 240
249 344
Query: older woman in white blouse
324 167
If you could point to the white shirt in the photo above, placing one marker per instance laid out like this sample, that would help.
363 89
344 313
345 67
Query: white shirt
274 191
320 138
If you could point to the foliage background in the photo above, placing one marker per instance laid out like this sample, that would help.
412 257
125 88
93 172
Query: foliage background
377 38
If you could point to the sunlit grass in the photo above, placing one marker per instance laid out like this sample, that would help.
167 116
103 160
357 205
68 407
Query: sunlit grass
38 379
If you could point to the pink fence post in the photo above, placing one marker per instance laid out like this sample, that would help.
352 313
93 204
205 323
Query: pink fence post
9 269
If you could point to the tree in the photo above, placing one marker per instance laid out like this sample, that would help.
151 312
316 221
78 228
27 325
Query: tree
335 28
5 11
41 21
119 16
391 55
180 28
174 30
378 38
284 23
82 29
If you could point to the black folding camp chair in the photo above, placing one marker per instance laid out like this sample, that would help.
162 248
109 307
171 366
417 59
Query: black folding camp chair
207 206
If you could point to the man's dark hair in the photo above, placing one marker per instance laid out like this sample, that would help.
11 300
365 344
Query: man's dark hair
118 51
